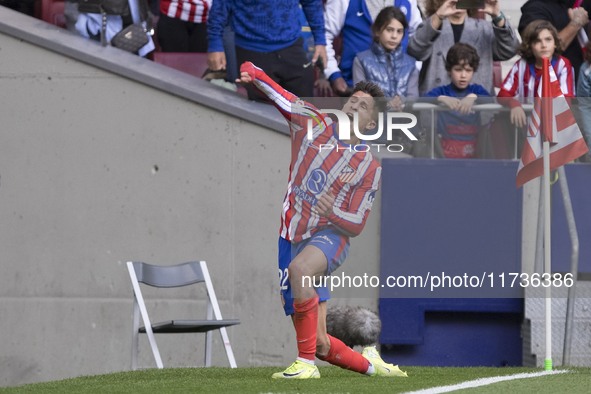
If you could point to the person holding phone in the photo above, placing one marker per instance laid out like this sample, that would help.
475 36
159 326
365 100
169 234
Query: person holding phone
447 25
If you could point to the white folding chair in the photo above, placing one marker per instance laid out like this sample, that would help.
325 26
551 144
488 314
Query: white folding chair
175 276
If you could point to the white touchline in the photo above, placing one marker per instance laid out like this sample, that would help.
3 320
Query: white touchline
484 382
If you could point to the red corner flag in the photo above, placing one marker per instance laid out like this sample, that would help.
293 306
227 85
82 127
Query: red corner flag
553 119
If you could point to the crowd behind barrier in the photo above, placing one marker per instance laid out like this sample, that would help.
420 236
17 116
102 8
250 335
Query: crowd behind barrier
347 28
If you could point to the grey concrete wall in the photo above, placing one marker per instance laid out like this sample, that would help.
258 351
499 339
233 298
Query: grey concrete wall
96 169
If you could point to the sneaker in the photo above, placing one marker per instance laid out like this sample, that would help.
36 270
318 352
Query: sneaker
382 368
299 370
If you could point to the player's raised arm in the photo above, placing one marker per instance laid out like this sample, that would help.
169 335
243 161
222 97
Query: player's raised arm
291 106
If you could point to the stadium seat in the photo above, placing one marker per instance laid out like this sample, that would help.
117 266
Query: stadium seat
497 75
194 63
185 274
52 11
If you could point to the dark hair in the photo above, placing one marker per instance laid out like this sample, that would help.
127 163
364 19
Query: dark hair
531 34
384 18
462 54
374 91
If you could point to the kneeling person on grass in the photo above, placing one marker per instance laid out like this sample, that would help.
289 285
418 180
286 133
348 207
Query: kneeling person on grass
329 197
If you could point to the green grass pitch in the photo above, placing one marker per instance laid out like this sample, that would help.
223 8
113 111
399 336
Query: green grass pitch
333 380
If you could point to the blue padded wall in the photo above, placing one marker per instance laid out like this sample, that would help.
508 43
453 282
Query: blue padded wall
463 216
452 216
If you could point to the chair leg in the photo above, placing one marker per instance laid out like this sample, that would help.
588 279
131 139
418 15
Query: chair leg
217 313
144 313
135 335
208 345
208 337
154 347
228 347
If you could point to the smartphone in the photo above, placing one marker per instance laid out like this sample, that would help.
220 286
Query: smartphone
469 4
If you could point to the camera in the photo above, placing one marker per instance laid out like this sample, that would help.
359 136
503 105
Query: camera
469 4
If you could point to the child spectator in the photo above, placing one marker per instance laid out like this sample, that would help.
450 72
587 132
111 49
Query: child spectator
566 17
540 39
459 127
351 20
447 25
386 62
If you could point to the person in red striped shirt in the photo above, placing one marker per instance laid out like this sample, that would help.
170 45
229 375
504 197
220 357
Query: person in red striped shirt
540 39
329 196
182 25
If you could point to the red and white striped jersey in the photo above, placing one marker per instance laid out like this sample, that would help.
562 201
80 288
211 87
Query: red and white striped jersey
315 169
187 10
513 88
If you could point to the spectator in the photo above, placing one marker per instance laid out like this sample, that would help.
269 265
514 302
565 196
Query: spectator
445 26
459 127
354 19
566 20
540 39
89 24
268 33
584 99
386 62
182 25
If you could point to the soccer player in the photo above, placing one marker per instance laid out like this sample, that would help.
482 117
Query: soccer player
329 196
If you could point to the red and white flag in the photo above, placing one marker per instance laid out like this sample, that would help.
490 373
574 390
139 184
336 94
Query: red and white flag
559 128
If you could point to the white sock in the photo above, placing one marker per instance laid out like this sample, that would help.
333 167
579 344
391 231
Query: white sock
305 360
370 370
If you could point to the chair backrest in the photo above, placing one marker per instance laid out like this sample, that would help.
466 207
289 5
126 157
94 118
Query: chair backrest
52 11
497 75
194 63
169 276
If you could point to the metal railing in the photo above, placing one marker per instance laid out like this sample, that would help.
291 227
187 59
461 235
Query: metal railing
489 107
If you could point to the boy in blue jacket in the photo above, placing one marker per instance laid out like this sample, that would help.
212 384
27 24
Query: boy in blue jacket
458 128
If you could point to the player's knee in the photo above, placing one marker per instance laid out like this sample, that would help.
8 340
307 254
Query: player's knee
297 269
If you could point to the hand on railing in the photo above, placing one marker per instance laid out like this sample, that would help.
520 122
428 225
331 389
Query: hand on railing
518 117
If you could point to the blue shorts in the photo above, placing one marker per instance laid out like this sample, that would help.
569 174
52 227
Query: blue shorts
335 247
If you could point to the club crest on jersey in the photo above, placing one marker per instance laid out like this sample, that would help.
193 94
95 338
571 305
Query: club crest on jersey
347 174
368 202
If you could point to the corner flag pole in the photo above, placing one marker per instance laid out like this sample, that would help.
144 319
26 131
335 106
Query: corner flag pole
547 133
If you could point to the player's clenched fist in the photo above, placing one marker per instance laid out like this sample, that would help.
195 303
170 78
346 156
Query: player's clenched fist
247 73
